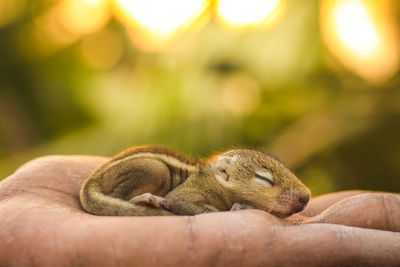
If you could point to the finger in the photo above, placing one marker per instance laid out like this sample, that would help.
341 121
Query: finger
369 210
319 204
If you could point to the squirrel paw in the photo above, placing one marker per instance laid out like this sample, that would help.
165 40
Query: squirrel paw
150 200
240 206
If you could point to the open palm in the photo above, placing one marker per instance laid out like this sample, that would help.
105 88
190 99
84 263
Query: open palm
42 224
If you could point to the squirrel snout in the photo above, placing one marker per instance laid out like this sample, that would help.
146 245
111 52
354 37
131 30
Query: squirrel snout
301 203
292 202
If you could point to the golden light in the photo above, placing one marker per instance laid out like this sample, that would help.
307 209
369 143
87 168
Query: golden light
248 14
355 27
83 16
154 23
44 36
102 49
62 25
363 35
10 10
240 95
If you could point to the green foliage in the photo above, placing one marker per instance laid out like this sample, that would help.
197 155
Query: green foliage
275 90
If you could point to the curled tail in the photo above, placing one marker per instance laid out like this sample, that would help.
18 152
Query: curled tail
94 201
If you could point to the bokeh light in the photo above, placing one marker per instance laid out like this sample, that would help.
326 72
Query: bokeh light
84 16
102 49
62 25
250 14
355 27
10 10
240 95
45 36
154 23
203 76
362 34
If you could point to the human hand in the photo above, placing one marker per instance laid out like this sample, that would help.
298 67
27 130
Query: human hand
42 224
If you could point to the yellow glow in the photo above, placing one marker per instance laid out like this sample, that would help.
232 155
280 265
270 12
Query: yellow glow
154 23
363 35
83 16
240 95
244 14
10 10
62 25
94 2
355 27
44 36
102 49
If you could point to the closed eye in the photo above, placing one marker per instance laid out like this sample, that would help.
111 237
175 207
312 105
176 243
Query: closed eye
265 176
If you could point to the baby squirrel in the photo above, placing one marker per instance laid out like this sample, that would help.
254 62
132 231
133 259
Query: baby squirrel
154 180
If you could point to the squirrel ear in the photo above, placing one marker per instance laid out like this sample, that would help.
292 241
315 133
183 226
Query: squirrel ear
222 180
220 167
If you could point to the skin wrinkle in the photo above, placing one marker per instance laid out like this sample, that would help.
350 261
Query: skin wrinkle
88 257
386 209
192 234
5 199
33 264
343 235
91 232
77 258
50 204
21 176
334 212
42 230
137 242
116 260
115 253
61 198
309 212
269 244
55 190
227 244
241 254
8 189
215 255
247 233
293 241
51 230
57 242
226 250
380 244
32 249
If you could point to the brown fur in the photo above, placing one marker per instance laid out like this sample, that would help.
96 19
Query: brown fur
190 187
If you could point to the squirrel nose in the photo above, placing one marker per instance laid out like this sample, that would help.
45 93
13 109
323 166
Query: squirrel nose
301 203
304 199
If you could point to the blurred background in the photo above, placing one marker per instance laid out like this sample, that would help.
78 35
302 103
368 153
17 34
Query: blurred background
315 83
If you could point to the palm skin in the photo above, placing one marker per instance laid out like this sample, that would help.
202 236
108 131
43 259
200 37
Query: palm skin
43 224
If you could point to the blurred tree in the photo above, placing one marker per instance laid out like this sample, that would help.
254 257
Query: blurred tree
277 87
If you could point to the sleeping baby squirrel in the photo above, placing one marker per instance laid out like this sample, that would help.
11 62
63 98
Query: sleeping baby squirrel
154 180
